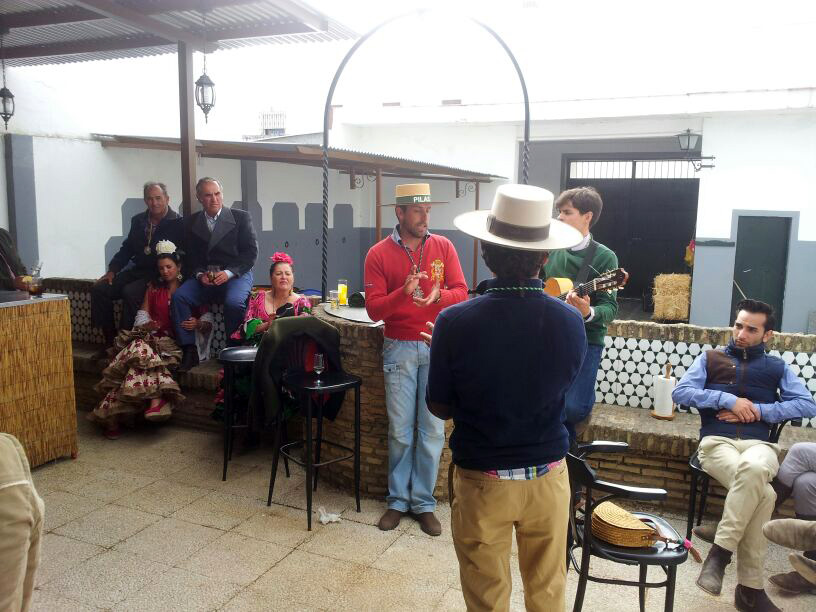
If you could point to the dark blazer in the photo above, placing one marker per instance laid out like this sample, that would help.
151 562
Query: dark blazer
9 258
232 244
132 249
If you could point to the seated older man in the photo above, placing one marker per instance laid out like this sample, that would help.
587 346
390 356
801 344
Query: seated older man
735 391
135 263
221 250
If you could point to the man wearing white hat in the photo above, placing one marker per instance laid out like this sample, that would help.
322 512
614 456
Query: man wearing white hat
409 277
501 365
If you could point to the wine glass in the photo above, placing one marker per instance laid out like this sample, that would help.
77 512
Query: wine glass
319 366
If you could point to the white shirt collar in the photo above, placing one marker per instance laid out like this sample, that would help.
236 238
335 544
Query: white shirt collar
583 244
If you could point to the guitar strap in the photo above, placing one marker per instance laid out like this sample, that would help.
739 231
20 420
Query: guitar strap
583 272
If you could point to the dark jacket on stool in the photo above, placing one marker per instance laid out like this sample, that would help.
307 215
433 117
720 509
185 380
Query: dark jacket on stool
275 357
10 263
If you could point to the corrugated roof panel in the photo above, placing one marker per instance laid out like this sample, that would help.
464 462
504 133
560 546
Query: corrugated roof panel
22 6
224 18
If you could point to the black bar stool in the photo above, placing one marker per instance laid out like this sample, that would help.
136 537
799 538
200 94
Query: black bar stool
231 358
303 385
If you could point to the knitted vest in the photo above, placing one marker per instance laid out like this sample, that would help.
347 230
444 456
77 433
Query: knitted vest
748 373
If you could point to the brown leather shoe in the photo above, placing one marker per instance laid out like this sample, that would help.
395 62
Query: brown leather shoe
806 567
390 519
792 582
428 523
705 532
791 533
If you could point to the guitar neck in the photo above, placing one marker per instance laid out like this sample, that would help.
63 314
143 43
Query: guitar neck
583 289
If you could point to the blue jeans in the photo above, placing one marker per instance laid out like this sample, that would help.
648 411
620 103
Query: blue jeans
233 294
581 395
412 467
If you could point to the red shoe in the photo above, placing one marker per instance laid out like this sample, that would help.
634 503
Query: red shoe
159 412
112 434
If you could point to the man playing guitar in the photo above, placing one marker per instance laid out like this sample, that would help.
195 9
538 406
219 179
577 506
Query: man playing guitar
581 208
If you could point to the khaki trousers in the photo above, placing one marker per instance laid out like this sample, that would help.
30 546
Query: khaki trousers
745 468
21 524
484 511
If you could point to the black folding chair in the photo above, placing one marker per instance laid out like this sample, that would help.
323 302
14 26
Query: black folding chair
667 556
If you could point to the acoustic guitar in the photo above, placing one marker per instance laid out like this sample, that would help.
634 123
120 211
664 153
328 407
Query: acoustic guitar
613 279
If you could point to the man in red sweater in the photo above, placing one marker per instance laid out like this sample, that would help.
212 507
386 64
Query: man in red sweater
409 277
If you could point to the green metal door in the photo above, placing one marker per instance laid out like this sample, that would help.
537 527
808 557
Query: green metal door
761 261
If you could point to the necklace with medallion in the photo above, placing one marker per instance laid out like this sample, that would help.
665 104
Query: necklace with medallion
150 227
418 293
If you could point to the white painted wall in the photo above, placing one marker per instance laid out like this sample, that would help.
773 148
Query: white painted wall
81 186
764 162
303 185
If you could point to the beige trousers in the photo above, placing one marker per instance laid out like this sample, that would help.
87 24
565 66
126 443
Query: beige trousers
484 511
21 524
744 468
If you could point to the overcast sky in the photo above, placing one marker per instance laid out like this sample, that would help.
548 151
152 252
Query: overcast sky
567 50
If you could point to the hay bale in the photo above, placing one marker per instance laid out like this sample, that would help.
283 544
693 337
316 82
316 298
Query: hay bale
672 295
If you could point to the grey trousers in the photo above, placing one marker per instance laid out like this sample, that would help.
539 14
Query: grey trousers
798 471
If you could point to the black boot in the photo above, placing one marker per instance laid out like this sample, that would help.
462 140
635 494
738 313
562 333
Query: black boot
189 359
783 492
747 599
711 576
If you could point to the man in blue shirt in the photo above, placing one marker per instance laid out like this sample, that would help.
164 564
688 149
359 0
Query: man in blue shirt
740 391
501 365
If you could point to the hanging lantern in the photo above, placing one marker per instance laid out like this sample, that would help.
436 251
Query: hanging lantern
205 94
6 97
6 104
204 87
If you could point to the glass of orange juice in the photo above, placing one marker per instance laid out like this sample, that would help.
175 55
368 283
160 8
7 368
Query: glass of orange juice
342 292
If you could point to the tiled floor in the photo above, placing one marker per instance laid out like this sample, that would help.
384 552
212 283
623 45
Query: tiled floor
145 523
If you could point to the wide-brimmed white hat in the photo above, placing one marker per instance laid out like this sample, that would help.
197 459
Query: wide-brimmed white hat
520 218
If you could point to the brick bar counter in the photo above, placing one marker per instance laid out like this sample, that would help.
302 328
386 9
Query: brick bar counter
361 352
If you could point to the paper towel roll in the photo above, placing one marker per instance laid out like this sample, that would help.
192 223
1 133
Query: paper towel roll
663 387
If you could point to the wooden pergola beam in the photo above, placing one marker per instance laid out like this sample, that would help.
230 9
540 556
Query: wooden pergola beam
360 164
187 142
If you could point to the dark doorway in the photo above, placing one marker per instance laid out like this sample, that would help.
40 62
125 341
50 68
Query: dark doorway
761 261
649 214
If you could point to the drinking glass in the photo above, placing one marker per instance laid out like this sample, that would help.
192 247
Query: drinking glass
34 286
342 292
334 298
319 366
212 272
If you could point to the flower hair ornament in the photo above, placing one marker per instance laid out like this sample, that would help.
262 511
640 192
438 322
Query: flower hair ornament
165 247
281 258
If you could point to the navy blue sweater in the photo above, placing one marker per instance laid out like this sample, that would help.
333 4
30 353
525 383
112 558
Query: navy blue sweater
504 361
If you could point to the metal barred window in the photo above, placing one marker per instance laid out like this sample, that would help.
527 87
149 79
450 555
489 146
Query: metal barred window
623 169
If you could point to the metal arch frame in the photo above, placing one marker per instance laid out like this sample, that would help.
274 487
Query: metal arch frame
327 114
